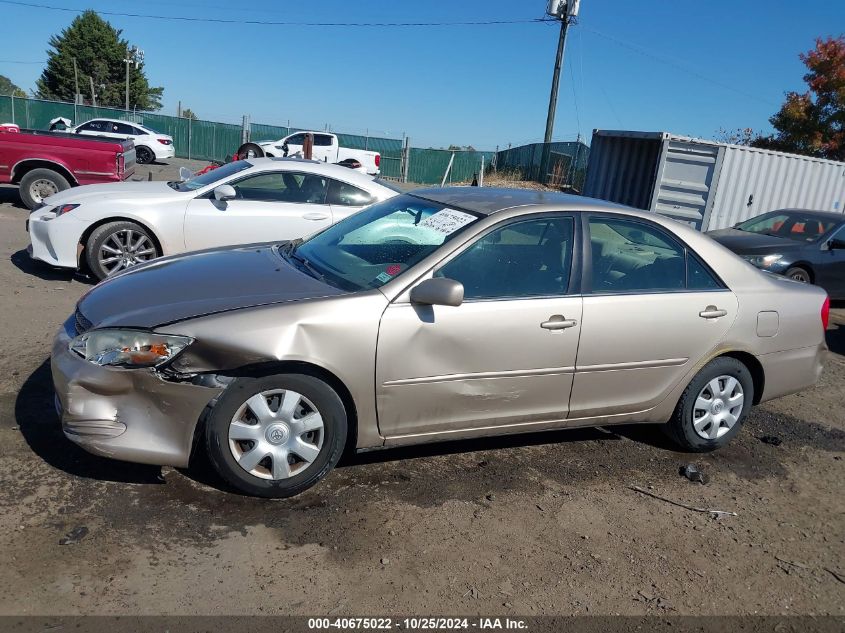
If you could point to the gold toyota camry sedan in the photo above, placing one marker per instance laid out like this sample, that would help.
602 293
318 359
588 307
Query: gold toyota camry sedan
436 315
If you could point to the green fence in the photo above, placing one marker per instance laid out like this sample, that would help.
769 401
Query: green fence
210 140
565 163
427 166
203 140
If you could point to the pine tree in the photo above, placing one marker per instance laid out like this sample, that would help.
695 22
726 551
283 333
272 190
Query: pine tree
99 52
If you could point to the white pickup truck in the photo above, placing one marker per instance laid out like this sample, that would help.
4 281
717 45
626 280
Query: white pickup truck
326 148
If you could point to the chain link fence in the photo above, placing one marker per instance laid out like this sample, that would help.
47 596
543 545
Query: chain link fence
561 165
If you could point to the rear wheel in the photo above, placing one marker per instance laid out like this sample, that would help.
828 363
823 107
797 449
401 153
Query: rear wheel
799 274
249 150
38 184
118 245
144 155
276 436
713 407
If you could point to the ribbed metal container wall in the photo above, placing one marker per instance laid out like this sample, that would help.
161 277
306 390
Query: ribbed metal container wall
707 184
754 181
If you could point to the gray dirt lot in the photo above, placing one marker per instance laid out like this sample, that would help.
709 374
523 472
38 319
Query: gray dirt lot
537 524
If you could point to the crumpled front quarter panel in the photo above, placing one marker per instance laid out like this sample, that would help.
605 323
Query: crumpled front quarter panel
337 334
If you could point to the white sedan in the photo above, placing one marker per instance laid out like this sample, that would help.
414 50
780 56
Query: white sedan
106 228
149 144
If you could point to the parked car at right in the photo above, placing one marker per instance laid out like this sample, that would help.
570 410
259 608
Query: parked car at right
807 246
149 144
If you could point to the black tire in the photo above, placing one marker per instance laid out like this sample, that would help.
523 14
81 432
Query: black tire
144 155
37 184
325 401
799 273
249 150
120 230
681 428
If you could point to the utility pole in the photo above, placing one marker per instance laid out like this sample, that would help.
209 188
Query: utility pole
93 94
566 11
135 56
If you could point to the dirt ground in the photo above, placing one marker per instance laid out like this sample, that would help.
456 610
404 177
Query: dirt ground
535 524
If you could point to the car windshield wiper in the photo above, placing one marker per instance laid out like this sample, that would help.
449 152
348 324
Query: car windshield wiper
288 251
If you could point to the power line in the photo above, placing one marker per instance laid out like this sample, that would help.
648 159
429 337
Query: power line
669 62
277 23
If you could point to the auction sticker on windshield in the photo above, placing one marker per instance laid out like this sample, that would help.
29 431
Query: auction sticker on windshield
447 221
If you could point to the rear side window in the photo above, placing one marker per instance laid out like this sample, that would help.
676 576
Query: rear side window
346 195
630 256
322 140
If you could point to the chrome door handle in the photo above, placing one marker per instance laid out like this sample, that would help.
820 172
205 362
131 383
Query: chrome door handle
558 322
712 312
315 215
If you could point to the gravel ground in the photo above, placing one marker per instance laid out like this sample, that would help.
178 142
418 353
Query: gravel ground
534 524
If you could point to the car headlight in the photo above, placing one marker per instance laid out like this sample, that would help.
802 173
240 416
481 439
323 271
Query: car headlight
763 261
64 208
128 348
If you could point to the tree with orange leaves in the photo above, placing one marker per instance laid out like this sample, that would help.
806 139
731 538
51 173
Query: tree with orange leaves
813 123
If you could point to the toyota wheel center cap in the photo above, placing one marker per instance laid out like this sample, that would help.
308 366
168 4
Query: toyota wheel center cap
277 434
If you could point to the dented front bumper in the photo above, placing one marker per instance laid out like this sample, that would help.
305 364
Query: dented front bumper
134 415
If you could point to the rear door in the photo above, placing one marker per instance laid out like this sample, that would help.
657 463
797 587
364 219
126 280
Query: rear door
270 206
652 309
830 271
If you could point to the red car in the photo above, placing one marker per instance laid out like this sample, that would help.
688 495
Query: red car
44 163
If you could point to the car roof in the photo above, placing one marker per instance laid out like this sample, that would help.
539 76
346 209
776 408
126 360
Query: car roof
103 118
488 200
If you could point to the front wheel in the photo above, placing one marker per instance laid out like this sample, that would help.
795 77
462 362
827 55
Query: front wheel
118 245
798 274
276 436
713 407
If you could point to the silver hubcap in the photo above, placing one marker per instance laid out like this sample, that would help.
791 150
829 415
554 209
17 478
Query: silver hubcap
276 434
41 188
125 248
718 407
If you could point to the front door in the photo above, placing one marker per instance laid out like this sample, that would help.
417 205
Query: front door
830 271
505 356
653 311
267 207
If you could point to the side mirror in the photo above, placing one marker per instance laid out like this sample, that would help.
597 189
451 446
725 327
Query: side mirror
185 174
438 291
836 243
225 192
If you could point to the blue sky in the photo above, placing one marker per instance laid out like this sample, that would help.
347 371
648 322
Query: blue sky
685 66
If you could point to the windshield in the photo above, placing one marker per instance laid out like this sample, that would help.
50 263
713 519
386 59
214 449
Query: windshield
801 227
368 249
211 177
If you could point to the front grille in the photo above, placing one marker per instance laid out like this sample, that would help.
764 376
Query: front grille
81 324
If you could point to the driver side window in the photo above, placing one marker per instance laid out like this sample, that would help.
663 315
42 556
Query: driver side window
285 186
529 258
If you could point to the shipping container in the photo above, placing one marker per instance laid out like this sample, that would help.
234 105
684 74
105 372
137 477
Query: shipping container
707 184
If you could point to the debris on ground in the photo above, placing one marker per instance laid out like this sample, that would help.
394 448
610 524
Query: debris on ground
74 536
838 576
790 563
774 440
693 473
715 513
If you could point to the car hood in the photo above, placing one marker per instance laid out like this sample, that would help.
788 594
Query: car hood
181 287
743 242
112 191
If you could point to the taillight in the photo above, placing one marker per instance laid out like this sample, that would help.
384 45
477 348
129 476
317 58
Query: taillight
164 141
825 313
378 160
119 164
